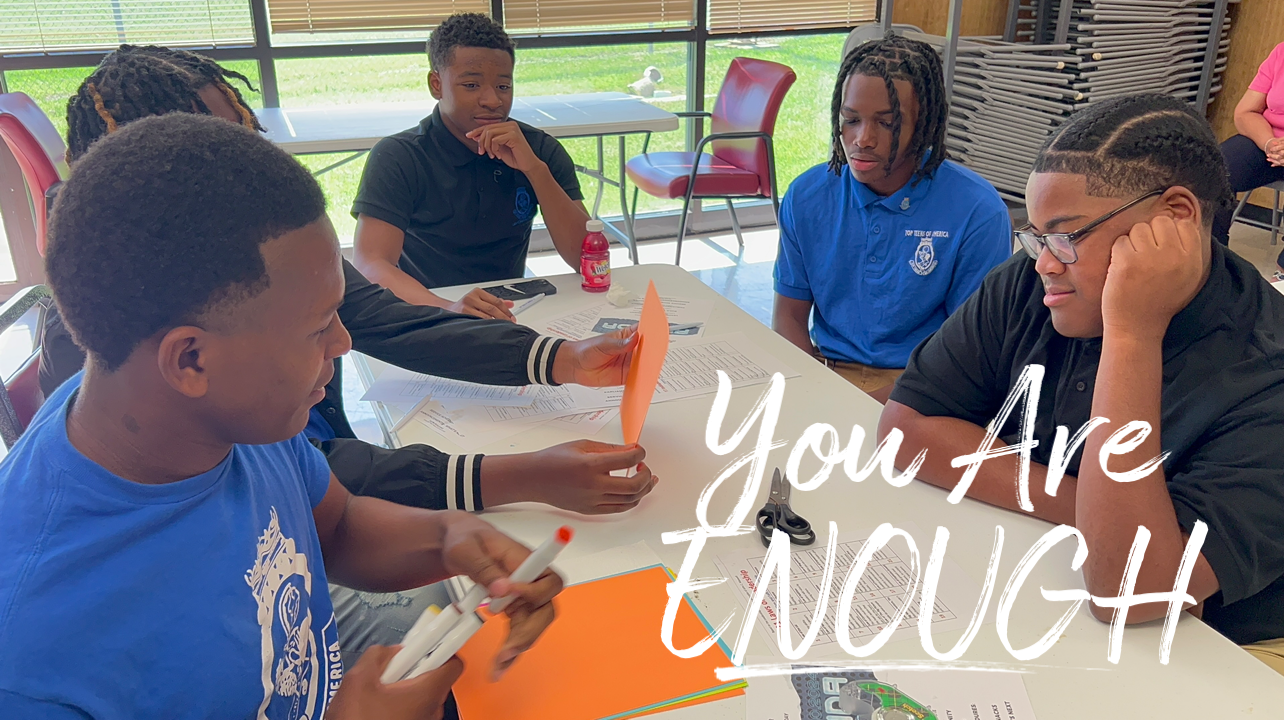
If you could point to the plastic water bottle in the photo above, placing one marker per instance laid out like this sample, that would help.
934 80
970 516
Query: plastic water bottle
595 259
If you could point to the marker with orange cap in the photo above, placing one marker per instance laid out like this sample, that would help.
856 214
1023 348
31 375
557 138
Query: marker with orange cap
450 630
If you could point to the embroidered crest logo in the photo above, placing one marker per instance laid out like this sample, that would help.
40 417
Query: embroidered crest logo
523 208
924 261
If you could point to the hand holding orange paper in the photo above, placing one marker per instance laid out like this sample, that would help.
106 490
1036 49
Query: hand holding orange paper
648 360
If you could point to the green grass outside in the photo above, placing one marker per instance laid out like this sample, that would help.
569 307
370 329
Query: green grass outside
801 137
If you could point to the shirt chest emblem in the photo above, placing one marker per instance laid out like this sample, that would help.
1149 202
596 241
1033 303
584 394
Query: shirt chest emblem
924 260
523 207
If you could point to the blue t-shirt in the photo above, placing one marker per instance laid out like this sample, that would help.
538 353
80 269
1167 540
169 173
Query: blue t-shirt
201 598
884 273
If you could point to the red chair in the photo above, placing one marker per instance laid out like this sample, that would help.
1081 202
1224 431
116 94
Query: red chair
742 164
40 152
20 395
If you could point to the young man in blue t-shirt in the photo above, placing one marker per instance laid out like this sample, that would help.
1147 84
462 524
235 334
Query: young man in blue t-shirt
885 241
167 532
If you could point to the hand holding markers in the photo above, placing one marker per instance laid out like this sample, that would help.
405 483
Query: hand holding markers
525 596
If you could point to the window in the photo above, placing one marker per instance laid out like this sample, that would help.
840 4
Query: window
68 25
543 16
749 15
802 134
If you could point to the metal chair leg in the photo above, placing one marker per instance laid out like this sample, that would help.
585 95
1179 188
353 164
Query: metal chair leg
735 223
633 212
1238 208
1275 218
682 226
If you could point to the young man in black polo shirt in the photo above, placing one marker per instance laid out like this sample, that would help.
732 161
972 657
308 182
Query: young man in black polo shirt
452 201
1136 316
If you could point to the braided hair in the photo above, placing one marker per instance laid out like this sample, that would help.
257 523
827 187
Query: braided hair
1133 144
135 82
899 58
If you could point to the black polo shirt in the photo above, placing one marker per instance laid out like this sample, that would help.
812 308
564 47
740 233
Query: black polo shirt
1222 416
467 218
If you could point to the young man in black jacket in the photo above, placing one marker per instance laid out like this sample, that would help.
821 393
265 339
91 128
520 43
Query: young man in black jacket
136 82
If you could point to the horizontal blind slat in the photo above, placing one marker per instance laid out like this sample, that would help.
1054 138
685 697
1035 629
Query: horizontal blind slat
286 16
543 15
741 15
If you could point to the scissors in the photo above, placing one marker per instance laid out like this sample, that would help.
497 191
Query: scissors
777 514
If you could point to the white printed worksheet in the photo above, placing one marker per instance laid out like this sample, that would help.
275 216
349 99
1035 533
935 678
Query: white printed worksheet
878 597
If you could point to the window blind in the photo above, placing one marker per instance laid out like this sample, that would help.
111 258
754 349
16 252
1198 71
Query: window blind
541 16
314 16
70 25
748 15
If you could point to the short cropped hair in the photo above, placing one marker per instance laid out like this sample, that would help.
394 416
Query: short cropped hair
164 220
1137 143
466 30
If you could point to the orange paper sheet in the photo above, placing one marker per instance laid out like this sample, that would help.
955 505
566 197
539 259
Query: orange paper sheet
602 657
648 360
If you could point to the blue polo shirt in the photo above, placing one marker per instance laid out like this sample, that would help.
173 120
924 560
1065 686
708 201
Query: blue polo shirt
883 273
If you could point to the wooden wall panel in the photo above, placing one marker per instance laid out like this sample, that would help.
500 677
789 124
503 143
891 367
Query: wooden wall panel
980 17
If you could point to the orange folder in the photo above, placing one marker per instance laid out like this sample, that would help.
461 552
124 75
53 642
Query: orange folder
648 360
601 658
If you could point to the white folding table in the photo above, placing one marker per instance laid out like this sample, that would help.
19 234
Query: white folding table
356 128
1072 681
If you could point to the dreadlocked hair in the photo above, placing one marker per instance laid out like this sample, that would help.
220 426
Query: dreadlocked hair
1134 144
135 82
899 58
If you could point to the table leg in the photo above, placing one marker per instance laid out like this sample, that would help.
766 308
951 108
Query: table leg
624 207
601 179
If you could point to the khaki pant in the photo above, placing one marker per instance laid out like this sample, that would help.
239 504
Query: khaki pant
864 377
1270 652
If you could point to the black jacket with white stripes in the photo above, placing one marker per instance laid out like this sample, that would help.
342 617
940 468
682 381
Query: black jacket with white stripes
421 339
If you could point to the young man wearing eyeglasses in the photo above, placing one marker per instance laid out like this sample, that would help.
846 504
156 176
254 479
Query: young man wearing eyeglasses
1135 315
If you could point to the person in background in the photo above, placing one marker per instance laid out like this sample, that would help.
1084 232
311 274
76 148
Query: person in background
164 501
452 201
1134 314
136 82
1255 157
889 238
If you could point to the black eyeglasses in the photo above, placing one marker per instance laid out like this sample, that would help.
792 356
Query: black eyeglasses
1062 244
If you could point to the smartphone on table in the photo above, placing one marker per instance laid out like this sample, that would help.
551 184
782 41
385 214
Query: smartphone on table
522 290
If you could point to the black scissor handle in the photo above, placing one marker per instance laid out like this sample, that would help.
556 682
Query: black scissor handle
777 516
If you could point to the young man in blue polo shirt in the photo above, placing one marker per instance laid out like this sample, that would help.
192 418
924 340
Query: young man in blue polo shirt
885 241
452 201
